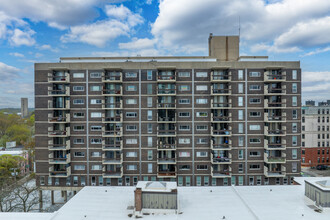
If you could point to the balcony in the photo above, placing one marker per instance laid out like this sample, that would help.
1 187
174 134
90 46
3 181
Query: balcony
220 172
221 76
275 104
224 146
65 78
59 160
59 92
115 173
166 92
168 172
275 91
116 146
59 173
112 77
166 133
281 145
112 160
114 119
221 118
222 159
217 91
58 119
64 146
274 76
166 105
280 131
275 118
113 92
118 132
58 133
52 106
166 76
166 160
221 105
164 146
221 132
109 106
275 172
166 119
272 158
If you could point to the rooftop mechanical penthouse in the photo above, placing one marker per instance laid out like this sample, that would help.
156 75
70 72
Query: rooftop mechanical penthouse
212 120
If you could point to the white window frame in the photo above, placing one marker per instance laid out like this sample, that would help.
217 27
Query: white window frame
130 75
78 75
96 114
78 88
201 74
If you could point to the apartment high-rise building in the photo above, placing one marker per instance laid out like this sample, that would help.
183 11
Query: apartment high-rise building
315 135
211 120
24 107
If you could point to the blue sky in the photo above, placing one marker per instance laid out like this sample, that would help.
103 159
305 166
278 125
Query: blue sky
44 30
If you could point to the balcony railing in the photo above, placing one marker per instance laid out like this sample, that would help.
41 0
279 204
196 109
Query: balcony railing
221 173
59 160
58 119
221 118
64 146
59 79
112 147
275 146
275 118
115 118
166 105
166 160
217 91
112 133
58 133
275 159
166 78
59 92
112 77
275 104
224 76
51 105
275 91
164 146
279 76
166 174
112 92
168 133
278 172
163 92
61 173
275 132
166 119
221 105
116 173
112 160
116 105
221 132
222 159
222 146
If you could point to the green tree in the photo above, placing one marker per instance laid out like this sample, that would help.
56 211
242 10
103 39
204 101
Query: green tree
19 133
8 165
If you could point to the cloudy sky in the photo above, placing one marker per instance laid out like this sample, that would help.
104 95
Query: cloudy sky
44 30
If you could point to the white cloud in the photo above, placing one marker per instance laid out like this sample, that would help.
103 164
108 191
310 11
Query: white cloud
309 77
47 47
100 32
317 51
8 72
16 54
148 2
315 85
138 44
20 38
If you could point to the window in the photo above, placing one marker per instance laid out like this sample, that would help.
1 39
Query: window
96 114
131 75
294 114
131 154
201 114
131 88
79 128
96 128
255 101
149 102
214 181
240 154
201 88
294 154
149 74
255 140
254 127
184 128
294 88
184 114
184 88
95 75
198 180
96 101
201 154
294 100
184 101
131 128
294 127
254 167
131 167
50 181
240 115
131 141
254 74
294 140
240 141
149 141
131 101
240 74
96 154
149 128
96 167
184 140
240 128
201 101
184 167
240 101
78 101
150 155
201 127
149 89
294 74
78 88
187 180
96 140
240 168
184 74
180 180
201 74
79 167
42 180
294 167
255 87
240 180
78 141
255 154
149 167
255 114
149 115
79 115
201 167
78 75
240 87
184 154
202 141
131 114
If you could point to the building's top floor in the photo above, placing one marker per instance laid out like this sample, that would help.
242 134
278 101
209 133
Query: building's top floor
312 103
316 110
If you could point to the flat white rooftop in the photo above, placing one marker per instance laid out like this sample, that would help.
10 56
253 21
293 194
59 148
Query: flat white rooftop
233 202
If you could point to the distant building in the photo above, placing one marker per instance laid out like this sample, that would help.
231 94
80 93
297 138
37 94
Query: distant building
310 103
315 135
24 107
19 152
